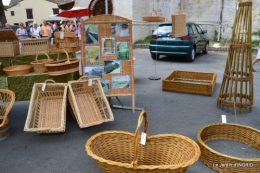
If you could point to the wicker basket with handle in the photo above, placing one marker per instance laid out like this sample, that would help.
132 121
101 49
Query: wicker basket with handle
152 18
47 109
96 109
38 65
121 151
61 67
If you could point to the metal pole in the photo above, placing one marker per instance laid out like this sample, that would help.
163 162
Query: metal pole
106 6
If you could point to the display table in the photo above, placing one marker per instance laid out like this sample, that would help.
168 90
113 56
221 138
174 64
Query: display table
22 85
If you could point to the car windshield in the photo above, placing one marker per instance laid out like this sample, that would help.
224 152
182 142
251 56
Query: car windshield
165 29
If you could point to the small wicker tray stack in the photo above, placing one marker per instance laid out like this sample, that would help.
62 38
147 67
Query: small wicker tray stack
65 40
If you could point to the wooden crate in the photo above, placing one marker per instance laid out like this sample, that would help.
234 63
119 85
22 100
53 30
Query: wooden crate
9 44
190 82
34 46
178 25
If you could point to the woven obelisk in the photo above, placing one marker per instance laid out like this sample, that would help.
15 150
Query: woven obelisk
237 86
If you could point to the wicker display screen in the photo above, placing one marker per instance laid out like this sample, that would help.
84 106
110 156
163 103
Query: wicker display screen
106 51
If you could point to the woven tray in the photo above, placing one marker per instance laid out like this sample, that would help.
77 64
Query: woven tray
47 109
33 46
96 109
61 67
39 65
224 163
155 18
190 82
122 152
17 70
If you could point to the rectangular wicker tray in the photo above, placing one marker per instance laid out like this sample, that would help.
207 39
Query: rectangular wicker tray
9 44
47 109
89 103
190 82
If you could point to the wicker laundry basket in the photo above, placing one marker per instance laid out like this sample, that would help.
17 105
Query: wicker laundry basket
96 109
47 109
118 151
39 65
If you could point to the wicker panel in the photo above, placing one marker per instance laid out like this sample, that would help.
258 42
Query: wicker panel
190 82
222 162
9 44
33 46
122 152
152 18
47 109
178 25
95 110
17 70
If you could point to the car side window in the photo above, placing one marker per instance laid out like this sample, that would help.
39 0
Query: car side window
199 29
194 29
190 30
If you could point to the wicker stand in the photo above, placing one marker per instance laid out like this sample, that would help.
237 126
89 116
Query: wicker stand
237 86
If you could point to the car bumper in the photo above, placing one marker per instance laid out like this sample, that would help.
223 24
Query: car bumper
168 50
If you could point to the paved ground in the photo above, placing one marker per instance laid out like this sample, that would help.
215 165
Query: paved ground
168 112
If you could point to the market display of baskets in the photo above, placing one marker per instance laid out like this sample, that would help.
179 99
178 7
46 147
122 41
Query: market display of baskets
47 108
152 18
96 109
39 65
17 70
222 162
61 67
119 151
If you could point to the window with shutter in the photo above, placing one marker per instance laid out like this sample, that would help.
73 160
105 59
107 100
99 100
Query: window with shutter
55 10
12 13
29 13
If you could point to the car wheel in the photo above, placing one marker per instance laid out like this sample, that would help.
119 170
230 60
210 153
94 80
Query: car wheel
155 56
191 57
206 49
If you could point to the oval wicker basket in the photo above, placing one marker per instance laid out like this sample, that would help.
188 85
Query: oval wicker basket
121 151
18 70
38 65
65 5
222 162
61 67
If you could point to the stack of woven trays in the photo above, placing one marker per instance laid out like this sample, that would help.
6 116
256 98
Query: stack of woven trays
65 40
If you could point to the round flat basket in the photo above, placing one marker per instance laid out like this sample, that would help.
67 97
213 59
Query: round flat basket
122 151
222 162
17 70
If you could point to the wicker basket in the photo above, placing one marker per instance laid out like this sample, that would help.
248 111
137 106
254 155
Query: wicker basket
39 65
33 46
67 45
9 44
96 7
66 40
68 49
224 163
7 99
66 34
61 67
121 151
155 18
178 25
190 82
47 109
18 70
96 109
65 4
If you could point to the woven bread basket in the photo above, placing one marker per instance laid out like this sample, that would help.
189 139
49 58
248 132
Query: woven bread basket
18 70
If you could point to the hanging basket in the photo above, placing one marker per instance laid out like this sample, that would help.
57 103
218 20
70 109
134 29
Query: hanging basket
38 65
65 4
155 18
119 151
97 7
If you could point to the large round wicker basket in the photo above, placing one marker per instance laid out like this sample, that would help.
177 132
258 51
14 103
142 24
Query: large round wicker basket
222 162
118 151
17 70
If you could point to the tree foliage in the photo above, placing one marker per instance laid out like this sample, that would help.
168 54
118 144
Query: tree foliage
2 12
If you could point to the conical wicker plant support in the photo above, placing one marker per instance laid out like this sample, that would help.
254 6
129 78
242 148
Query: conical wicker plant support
237 86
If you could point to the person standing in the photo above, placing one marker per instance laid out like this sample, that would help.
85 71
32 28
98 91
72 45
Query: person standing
7 27
256 59
35 30
21 34
78 27
46 30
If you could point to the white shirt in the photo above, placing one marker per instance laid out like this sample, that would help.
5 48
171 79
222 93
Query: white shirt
36 31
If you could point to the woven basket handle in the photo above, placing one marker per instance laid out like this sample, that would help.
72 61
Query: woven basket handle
66 55
142 116
154 12
36 58
49 80
83 77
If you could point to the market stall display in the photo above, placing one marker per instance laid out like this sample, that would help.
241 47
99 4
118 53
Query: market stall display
237 85
7 99
190 82
39 65
35 45
47 109
226 131
88 102
9 44
122 151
